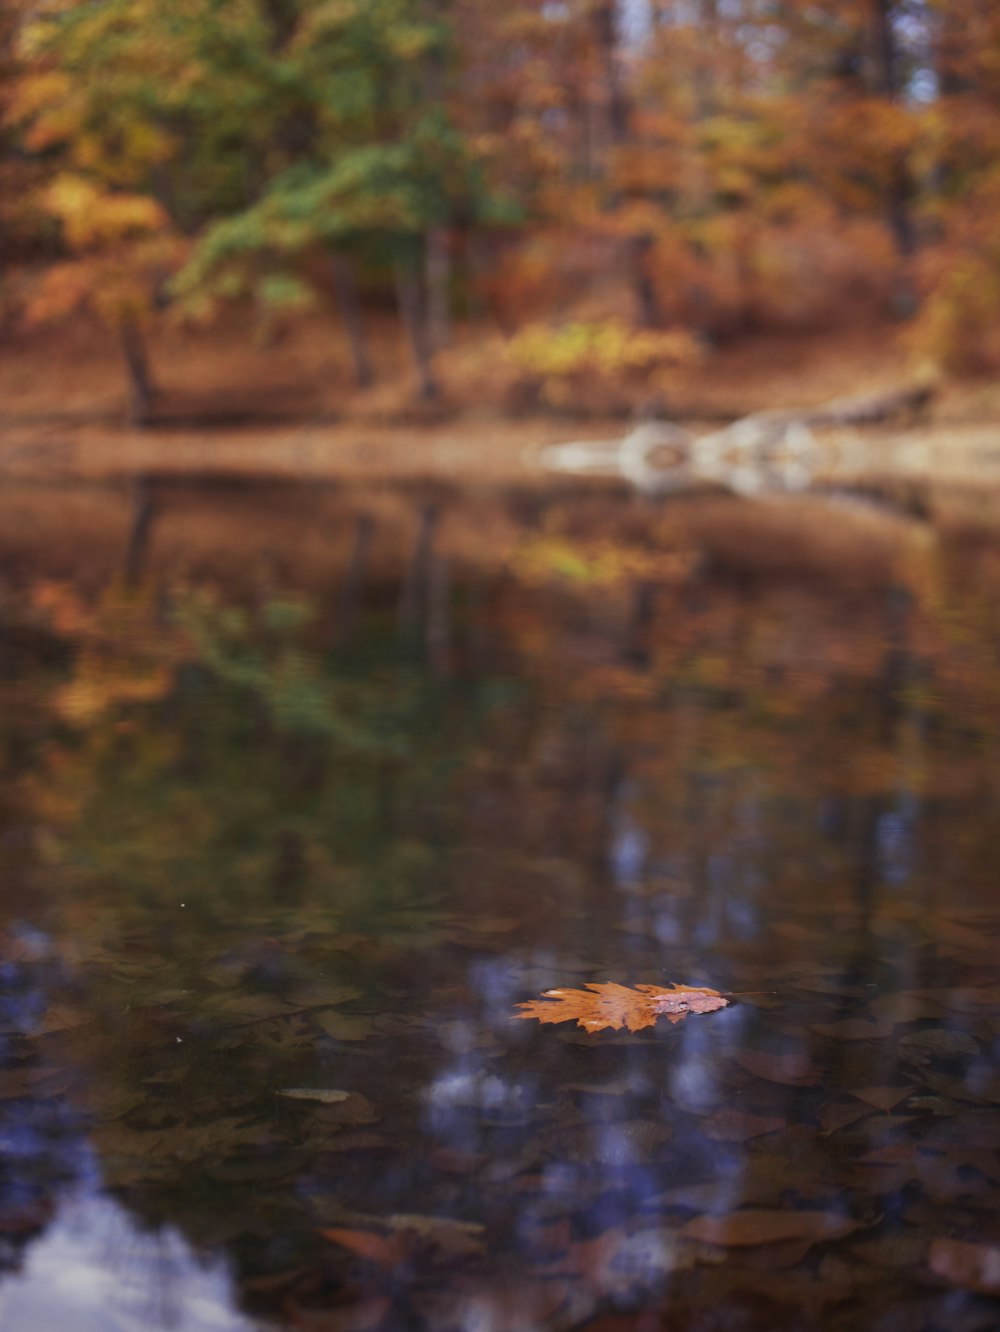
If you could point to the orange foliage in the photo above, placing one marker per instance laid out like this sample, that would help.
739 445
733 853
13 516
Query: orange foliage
729 170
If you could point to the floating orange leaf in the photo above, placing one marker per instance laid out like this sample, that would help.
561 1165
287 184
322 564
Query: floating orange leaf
618 1006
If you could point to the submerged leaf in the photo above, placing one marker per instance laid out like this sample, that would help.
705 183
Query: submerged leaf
617 1006
923 1045
760 1225
384 1250
882 1098
975 1266
410 1237
734 1125
326 1095
854 1029
791 1070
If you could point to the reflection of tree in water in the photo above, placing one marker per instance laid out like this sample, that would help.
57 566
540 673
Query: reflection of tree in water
276 794
292 870
40 1135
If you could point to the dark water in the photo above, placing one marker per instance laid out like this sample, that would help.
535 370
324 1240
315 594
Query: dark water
283 844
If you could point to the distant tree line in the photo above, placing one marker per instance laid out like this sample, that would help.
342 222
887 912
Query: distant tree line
728 163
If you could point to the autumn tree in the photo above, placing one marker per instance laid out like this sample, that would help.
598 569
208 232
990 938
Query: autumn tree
704 165
962 271
85 106
22 224
366 169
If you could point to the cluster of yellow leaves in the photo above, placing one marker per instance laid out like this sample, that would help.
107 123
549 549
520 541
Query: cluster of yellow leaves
599 348
92 217
570 363
122 241
102 678
100 688
599 565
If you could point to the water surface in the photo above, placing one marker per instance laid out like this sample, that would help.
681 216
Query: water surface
293 816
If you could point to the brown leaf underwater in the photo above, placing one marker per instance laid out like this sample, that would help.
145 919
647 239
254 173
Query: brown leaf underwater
762 1225
963 1263
617 1006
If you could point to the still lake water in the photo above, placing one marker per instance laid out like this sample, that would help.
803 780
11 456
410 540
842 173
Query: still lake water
294 816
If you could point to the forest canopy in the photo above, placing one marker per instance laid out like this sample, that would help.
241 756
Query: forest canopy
702 169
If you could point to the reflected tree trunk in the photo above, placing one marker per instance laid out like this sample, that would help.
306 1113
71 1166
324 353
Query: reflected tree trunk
353 586
289 869
476 647
413 594
438 625
143 514
639 632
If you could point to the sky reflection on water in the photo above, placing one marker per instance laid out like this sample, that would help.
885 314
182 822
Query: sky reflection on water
95 1270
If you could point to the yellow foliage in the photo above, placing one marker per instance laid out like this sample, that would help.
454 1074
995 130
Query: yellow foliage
102 678
582 362
323 18
607 348
958 327
35 93
408 41
598 565
99 688
92 218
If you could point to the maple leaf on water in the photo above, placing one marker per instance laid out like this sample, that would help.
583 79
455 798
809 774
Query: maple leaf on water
617 1006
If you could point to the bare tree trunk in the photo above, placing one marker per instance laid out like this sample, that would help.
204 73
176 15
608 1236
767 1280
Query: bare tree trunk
617 109
345 288
438 278
899 188
950 42
140 384
708 23
617 130
413 312
648 313
946 42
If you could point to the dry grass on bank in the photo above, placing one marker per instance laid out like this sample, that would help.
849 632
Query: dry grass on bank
303 373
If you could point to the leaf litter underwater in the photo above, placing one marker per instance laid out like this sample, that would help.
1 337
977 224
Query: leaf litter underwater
273 911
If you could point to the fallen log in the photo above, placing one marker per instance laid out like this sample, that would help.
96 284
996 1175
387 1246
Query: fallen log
765 450
911 400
